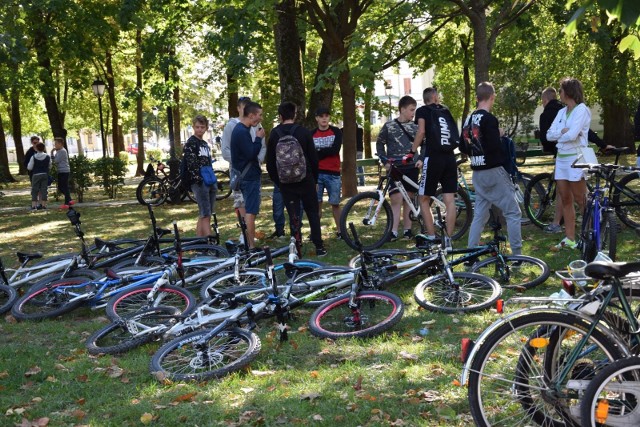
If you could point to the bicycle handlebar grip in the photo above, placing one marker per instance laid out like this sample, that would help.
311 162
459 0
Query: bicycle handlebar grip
356 238
176 234
267 255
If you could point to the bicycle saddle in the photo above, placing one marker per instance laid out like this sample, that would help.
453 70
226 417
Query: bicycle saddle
603 269
24 256
162 231
100 244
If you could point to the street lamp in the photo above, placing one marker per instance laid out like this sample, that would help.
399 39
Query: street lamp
155 113
98 87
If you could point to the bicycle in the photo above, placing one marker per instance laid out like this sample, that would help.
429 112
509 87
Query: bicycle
533 365
157 186
371 212
599 225
540 196
612 397
519 272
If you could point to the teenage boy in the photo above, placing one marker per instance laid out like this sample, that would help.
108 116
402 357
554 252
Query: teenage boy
492 183
395 141
294 193
439 165
245 151
61 160
197 154
29 154
328 141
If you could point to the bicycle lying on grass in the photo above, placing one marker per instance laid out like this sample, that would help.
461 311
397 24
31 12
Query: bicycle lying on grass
371 213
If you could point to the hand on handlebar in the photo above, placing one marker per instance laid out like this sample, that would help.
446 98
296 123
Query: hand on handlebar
408 158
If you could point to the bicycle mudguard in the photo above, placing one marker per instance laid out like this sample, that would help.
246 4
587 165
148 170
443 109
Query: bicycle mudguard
466 369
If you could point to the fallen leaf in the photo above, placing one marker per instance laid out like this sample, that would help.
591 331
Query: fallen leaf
34 370
262 373
10 319
78 414
314 374
358 384
36 400
318 417
81 401
51 379
185 397
310 396
247 389
60 367
146 418
4 374
82 378
456 383
407 356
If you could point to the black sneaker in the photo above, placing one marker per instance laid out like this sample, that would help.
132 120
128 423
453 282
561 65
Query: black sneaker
407 234
393 236
321 251
276 234
339 235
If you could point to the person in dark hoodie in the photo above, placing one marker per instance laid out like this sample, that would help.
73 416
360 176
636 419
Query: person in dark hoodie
29 154
38 167
492 183
294 193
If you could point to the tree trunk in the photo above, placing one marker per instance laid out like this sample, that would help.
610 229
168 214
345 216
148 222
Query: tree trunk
4 157
16 125
368 98
177 137
232 95
139 125
289 54
118 144
481 51
322 97
466 77
349 182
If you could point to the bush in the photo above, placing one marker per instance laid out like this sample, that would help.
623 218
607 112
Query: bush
82 170
156 153
124 156
112 171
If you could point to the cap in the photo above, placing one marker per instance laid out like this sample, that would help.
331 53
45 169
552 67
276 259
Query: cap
322 110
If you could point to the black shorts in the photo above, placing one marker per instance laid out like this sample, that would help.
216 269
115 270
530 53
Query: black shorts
439 170
411 172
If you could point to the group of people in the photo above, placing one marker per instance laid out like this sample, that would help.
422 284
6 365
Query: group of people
38 164
243 145
418 140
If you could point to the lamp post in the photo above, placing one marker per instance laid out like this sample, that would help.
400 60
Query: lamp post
98 87
387 90
155 113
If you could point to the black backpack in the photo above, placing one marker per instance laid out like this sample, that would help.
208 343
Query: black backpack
441 132
509 148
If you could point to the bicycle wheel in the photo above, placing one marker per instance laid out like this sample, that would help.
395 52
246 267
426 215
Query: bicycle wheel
52 299
608 234
588 244
521 181
130 302
386 257
468 292
152 191
540 199
224 184
513 378
375 312
360 210
184 359
228 279
322 278
612 397
464 212
515 271
201 250
125 334
626 199
8 296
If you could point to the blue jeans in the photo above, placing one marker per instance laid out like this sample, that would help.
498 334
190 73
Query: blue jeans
278 209
360 169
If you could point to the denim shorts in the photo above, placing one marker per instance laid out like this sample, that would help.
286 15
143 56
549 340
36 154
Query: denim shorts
206 197
251 194
333 184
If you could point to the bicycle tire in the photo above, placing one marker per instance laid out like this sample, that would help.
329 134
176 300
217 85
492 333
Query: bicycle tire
116 337
626 199
228 351
622 408
43 302
128 303
358 210
224 184
386 257
85 273
509 373
378 312
8 297
152 191
228 279
521 271
609 235
201 250
540 199
147 263
464 212
473 292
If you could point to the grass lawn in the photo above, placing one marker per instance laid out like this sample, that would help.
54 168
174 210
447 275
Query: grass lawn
403 378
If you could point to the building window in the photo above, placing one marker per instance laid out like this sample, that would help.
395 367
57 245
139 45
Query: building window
407 85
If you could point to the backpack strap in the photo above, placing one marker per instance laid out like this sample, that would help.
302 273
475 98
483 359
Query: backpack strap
404 130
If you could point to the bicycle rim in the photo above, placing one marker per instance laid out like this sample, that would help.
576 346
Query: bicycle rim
373 231
468 292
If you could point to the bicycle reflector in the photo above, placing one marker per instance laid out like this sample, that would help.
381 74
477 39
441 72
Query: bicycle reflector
500 306
569 287
602 411
467 345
